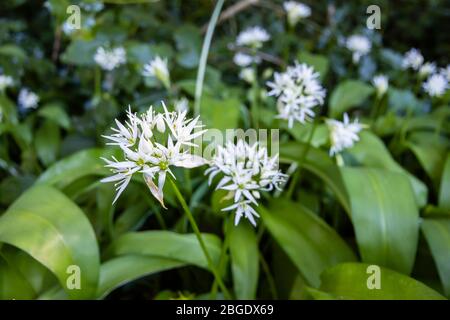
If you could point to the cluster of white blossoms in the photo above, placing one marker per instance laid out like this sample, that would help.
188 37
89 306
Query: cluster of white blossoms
344 134
296 11
298 91
381 84
5 82
182 105
426 69
413 59
28 99
359 45
253 37
109 59
152 143
247 171
157 68
244 60
436 85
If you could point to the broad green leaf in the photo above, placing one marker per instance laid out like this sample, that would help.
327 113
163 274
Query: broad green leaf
220 114
53 230
371 152
13 51
352 280
244 260
319 163
301 132
188 41
318 61
13 285
78 165
56 113
384 215
437 233
348 94
124 269
311 244
81 52
167 244
47 142
444 193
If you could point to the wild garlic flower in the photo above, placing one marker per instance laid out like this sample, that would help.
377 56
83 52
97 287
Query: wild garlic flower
359 45
28 99
298 91
296 11
446 72
5 82
344 134
381 84
436 85
182 105
109 59
426 69
246 171
152 143
158 69
253 37
244 60
412 59
248 75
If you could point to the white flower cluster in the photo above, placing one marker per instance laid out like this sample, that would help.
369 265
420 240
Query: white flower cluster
413 59
151 144
298 91
359 45
109 59
253 37
381 84
158 69
28 99
244 60
296 11
436 85
5 82
344 134
426 69
247 170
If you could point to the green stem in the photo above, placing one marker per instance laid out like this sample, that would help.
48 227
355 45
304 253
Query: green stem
204 55
226 244
265 266
296 176
200 239
254 106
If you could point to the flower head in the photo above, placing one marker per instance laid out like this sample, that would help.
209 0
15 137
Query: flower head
298 91
248 75
109 59
296 11
28 99
436 85
344 134
152 143
412 59
244 60
182 104
360 45
5 81
381 84
253 37
246 171
446 72
426 69
158 69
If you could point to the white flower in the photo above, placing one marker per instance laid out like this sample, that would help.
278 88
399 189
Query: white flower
446 72
359 45
151 154
182 104
248 75
5 82
412 59
244 60
381 84
344 134
253 37
28 99
296 11
426 69
158 68
110 59
298 91
246 171
436 85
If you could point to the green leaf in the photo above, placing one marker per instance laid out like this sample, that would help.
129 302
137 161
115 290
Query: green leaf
371 152
384 215
444 194
56 113
188 41
311 244
437 234
53 230
348 94
350 281
318 61
47 142
319 163
220 114
13 51
13 284
81 52
244 260
124 269
167 244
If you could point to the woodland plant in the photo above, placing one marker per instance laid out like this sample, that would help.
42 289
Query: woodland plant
282 150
